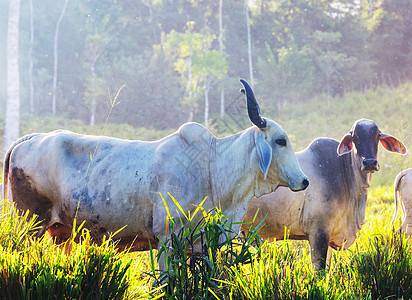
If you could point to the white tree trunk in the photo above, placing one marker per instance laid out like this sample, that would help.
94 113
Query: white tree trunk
12 121
190 83
222 84
56 42
31 58
249 44
93 102
207 87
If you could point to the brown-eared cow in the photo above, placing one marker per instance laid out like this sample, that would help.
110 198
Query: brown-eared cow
110 183
331 211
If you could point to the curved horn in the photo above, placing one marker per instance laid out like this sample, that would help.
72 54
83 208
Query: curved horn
252 106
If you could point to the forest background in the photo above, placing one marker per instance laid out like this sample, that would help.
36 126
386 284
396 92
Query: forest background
180 60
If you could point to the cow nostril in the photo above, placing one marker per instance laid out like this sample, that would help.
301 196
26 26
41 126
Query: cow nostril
370 163
305 183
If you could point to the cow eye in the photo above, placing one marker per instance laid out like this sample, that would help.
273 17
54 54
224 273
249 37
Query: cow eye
281 142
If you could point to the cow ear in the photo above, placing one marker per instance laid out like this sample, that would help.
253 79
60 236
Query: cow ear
392 144
345 145
264 151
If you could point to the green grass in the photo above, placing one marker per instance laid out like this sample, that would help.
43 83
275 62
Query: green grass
200 256
283 269
377 266
33 268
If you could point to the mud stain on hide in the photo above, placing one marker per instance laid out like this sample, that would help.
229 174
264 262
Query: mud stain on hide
26 197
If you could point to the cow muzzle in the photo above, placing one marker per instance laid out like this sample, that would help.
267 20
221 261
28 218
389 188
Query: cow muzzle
299 186
370 165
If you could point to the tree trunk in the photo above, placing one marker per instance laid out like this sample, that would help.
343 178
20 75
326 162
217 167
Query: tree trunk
207 87
56 41
152 22
222 84
328 86
249 44
31 86
93 102
189 80
11 127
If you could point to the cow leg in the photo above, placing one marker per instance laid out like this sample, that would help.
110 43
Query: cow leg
329 257
319 243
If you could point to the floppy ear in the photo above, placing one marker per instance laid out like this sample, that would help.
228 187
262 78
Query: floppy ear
392 144
264 151
345 145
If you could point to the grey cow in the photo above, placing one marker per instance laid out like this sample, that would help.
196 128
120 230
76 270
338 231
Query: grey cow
54 177
331 211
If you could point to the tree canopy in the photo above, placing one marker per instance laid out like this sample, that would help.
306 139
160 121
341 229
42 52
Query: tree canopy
167 55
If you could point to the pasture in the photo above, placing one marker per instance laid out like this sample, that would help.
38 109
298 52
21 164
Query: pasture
377 266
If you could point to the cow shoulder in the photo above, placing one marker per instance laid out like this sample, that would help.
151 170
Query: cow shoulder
334 171
324 151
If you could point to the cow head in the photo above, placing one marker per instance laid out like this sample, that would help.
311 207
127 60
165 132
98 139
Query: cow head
363 139
277 160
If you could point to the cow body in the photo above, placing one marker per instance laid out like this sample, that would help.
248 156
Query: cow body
331 211
403 198
111 183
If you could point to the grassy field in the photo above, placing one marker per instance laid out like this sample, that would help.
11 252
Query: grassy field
377 266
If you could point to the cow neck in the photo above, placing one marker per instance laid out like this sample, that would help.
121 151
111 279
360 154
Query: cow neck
234 170
359 193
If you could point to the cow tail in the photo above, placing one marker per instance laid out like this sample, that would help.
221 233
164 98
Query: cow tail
398 198
6 164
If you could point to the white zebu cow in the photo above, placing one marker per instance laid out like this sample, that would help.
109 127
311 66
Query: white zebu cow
403 197
331 211
54 177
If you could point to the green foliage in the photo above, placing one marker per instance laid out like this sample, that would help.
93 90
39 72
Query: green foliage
377 266
289 74
196 62
34 268
199 257
368 44
384 268
283 271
